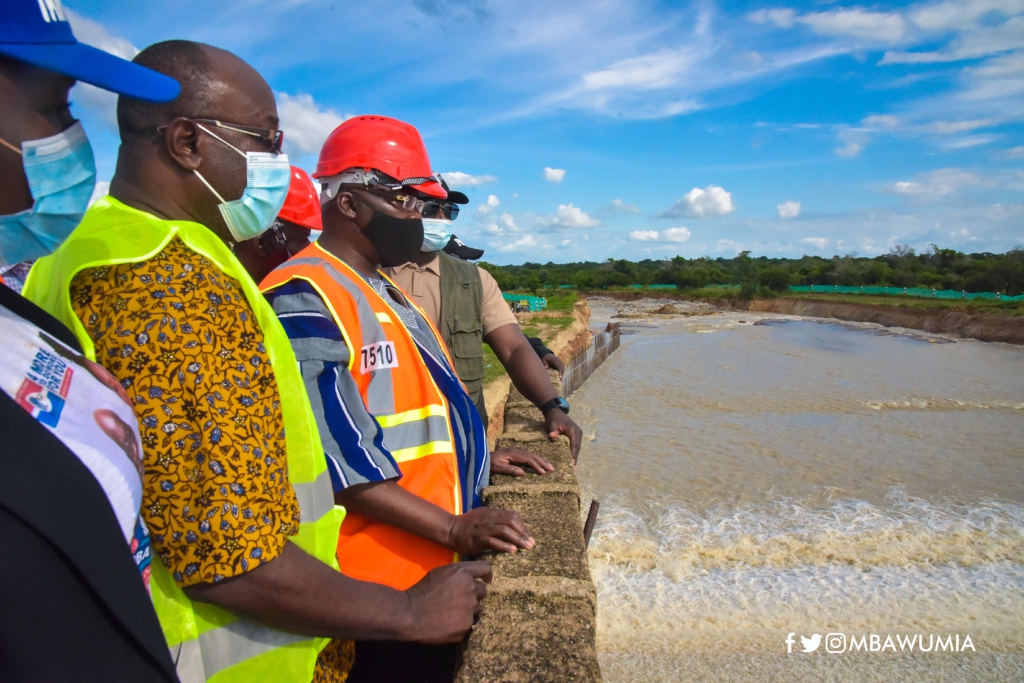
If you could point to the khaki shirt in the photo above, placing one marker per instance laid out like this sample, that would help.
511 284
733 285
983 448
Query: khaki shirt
423 285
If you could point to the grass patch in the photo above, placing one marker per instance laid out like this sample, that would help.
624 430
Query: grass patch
545 327
561 301
713 292
493 369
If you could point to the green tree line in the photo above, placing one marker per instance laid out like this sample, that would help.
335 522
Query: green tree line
901 267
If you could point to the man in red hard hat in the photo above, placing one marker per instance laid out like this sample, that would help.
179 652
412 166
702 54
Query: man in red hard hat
290 232
406 448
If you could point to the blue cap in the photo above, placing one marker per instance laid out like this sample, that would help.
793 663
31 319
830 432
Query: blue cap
37 32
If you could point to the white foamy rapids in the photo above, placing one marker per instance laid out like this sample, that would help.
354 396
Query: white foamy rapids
741 578
784 533
942 404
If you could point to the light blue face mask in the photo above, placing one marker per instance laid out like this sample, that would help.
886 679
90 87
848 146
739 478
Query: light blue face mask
436 233
266 187
61 174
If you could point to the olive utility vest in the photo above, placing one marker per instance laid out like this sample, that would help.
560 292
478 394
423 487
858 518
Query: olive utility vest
462 325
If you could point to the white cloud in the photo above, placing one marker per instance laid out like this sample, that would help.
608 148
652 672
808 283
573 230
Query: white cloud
97 35
1015 153
457 179
524 242
788 209
885 121
996 78
620 206
853 141
969 141
504 225
958 14
783 18
306 124
569 216
970 44
102 103
554 175
677 235
944 181
818 243
850 149
711 202
566 243
886 27
488 206
658 70
953 127
101 190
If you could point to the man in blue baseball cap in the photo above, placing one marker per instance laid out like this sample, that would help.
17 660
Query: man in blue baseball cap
73 582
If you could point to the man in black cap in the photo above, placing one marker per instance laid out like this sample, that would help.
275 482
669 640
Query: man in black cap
76 558
461 250
465 304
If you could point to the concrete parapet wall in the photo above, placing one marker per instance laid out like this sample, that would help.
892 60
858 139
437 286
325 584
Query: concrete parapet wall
539 617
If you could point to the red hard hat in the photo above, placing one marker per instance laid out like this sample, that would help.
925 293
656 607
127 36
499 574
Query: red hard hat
302 206
381 143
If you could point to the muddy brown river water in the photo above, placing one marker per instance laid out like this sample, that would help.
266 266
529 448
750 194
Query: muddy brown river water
763 480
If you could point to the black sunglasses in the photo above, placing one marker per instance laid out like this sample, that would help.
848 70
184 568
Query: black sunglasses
431 209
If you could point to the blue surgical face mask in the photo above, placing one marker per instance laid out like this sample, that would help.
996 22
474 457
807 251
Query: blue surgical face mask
61 174
436 233
266 187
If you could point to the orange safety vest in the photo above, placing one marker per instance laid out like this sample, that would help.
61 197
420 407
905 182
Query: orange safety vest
398 390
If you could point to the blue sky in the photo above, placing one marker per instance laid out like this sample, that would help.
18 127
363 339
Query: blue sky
635 129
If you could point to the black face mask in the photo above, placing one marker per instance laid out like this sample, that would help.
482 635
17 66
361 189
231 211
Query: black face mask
397 240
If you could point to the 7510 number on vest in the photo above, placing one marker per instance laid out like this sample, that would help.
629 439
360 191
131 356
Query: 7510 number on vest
378 356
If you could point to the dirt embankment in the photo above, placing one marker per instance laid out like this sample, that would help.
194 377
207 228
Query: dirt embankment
1008 329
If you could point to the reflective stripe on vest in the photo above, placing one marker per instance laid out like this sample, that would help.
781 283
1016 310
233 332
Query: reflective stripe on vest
410 434
208 643
410 408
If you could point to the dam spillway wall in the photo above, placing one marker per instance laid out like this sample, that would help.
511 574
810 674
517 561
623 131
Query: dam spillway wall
539 618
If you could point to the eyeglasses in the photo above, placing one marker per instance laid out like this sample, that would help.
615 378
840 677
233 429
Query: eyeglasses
407 202
271 136
433 208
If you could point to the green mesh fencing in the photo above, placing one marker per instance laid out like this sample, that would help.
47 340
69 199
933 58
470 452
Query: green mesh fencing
521 302
906 291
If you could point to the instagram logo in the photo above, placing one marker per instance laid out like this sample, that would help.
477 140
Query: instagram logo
835 643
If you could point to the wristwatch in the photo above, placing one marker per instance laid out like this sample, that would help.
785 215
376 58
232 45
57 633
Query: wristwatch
557 402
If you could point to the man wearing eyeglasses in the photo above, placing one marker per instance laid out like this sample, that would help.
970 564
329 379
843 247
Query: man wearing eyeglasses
407 450
236 493
465 304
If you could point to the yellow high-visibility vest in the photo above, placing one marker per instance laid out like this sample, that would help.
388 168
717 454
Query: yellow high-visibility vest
210 644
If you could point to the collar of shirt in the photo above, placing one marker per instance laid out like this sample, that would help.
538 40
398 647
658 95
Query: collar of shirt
434 266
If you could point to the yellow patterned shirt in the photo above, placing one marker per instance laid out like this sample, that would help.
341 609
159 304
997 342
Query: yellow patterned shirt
184 343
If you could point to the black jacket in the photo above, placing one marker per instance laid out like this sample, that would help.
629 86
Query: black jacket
72 604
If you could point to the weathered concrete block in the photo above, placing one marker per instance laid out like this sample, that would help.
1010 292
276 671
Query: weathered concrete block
536 630
539 618
553 515
523 418
555 452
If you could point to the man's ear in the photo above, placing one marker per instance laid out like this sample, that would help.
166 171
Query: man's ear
181 140
346 205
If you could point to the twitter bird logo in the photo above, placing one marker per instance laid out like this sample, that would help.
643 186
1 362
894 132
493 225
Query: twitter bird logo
811 644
